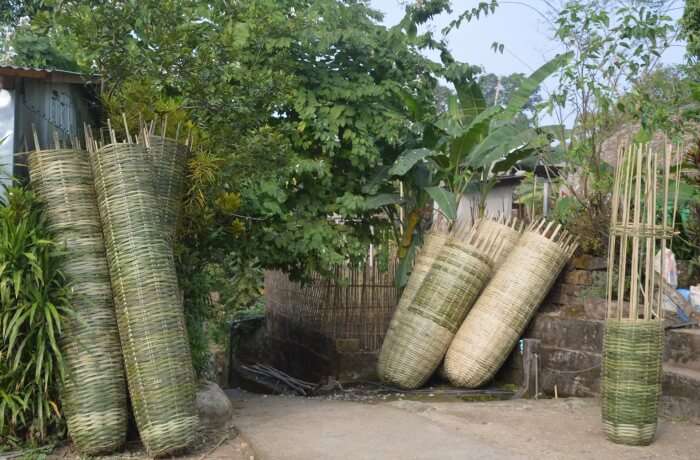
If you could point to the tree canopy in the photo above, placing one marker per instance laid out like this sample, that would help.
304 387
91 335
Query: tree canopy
295 103
691 27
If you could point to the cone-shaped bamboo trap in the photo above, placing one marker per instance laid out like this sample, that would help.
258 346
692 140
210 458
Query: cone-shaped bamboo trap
423 328
94 392
434 240
150 314
634 334
508 231
507 304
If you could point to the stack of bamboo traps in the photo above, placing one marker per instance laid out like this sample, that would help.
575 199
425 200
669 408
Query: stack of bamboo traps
424 325
503 310
149 310
634 332
94 391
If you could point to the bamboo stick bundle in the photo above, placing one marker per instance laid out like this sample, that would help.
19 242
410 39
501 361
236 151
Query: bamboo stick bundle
634 334
423 328
149 310
503 310
94 391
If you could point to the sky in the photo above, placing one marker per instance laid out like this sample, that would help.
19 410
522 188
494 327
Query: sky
527 37
524 32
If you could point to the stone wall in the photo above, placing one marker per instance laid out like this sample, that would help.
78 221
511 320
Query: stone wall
569 326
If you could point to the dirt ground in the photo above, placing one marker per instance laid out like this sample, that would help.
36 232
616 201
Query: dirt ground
221 443
430 428
291 428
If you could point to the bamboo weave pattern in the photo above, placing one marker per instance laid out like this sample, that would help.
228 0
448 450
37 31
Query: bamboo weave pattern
500 315
168 159
631 380
94 392
149 312
634 334
509 231
422 331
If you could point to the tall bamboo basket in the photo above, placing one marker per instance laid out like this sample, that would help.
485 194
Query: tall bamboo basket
634 334
434 241
422 329
94 392
150 313
503 310
508 231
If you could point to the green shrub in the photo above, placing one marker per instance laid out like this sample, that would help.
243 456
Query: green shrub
33 305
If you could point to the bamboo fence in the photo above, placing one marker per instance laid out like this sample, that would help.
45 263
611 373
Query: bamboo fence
422 329
94 392
149 310
634 333
507 304
355 304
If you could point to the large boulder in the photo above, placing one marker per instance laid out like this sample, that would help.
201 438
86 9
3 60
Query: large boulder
213 406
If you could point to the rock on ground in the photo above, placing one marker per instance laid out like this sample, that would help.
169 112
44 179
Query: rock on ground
213 406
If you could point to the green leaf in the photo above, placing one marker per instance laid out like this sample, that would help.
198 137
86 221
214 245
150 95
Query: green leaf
378 178
501 143
445 200
530 85
406 264
511 159
471 100
414 107
462 145
383 199
407 159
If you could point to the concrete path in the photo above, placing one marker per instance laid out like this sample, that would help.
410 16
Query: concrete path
289 428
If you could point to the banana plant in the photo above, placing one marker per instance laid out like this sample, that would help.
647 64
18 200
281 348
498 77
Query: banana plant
465 148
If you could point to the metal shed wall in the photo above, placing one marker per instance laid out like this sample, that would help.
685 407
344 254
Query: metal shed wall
50 107
7 124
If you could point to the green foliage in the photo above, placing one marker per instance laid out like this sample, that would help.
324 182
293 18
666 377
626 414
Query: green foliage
34 302
614 46
464 147
690 24
662 101
240 295
470 142
293 113
686 244
295 105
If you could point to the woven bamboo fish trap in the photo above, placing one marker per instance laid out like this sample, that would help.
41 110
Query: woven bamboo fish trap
94 393
507 304
150 313
508 231
434 241
422 330
634 333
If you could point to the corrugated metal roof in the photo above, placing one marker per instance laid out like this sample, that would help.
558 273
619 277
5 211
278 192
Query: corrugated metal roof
63 76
